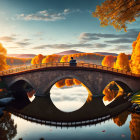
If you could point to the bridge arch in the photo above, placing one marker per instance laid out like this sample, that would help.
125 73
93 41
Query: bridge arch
21 79
21 88
122 85
117 88
94 79
48 87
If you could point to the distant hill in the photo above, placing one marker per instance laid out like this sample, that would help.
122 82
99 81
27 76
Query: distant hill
22 55
107 53
68 52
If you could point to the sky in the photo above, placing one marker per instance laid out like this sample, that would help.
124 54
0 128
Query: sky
53 26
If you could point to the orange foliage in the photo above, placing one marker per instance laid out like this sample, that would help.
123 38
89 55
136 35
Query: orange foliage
82 62
135 127
81 56
51 58
109 94
89 99
3 51
76 82
122 62
64 58
60 83
135 58
108 61
121 118
31 93
69 82
13 61
111 91
37 59
117 13
3 63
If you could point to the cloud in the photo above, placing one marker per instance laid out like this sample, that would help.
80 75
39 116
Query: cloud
69 46
45 15
25 42
127 37
7 38
63 97
66 11
121 48
118 41
62 46
38 34
86 37
100 45
22 43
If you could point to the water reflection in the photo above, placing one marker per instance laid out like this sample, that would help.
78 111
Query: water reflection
135 127
70 94
8 129
69 99
31 94
92 117
104 130
107 130
112 91
121 118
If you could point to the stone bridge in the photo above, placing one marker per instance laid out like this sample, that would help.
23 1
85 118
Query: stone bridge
42 77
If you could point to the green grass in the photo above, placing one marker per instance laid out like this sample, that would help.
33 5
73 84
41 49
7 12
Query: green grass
136 98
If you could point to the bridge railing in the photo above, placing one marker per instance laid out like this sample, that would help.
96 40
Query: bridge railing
65 64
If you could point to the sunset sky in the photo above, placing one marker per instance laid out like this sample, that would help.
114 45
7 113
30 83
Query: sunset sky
52 26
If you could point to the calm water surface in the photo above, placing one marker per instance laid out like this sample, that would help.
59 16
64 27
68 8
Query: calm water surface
106 130
126 126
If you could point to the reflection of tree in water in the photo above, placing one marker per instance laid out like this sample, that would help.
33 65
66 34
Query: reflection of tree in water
7 128
111 91
31 93
135 126
121 118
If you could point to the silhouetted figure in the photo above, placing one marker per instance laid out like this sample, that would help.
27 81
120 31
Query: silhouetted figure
72 62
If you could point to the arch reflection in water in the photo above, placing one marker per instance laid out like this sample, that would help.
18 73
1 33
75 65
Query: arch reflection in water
95 130
112 92
68 95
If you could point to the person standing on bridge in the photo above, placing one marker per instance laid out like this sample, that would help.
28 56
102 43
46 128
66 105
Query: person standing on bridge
72 62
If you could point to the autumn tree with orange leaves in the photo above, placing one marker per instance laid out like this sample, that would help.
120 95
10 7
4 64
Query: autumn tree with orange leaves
3 63
60 83
135 127
112 91
51 58
82 57
37 59
122 62
109 94
117 13
69 82
108 61
76 82
135 58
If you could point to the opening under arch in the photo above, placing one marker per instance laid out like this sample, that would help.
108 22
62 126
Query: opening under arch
114 90
21 89
69 94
